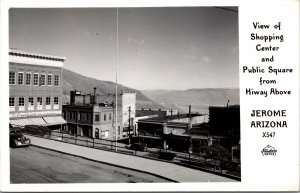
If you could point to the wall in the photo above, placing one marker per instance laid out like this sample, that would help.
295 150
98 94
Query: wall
27 91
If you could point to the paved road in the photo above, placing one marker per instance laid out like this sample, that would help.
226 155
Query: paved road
37 165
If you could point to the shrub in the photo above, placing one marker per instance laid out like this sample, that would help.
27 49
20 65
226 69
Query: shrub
36 130
166 155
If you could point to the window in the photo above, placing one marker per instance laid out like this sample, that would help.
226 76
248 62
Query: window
56 100
56 80
42 79
20 77
30 103
56 106
110 116
21 104
12 77
97 118
28 78
21 101
104 134
35 79
47 100
79 116
104 118
49 80
11 101
40 101
87 116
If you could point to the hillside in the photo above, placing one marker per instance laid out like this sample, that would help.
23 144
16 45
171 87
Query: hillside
200 99
72 80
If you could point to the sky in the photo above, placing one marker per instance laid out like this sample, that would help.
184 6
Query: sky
158 48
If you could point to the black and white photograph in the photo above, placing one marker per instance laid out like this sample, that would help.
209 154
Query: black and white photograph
124 95
140 96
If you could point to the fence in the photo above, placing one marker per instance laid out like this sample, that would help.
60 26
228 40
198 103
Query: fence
226 168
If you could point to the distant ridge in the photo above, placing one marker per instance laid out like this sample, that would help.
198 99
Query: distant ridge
179 100
200 99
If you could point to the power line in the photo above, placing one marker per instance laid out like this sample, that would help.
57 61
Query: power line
227 9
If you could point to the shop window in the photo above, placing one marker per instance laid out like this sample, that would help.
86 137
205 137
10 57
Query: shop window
104 134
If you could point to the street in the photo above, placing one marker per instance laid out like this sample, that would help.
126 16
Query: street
37 165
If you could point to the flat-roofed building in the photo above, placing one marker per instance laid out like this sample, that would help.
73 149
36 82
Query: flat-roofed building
103 106
35 89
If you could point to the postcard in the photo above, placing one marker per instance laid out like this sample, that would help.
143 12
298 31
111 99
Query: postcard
104 96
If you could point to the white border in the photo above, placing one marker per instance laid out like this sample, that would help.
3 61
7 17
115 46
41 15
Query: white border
249 176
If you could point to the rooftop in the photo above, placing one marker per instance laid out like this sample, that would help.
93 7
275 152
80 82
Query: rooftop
20 53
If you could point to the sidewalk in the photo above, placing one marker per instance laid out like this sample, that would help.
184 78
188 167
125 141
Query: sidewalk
165 169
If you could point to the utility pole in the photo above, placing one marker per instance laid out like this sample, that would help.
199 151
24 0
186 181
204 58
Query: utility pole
129 110
117 60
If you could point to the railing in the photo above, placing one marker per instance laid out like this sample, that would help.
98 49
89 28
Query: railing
221 167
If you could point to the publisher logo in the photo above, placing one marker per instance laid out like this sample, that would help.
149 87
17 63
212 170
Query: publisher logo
268 150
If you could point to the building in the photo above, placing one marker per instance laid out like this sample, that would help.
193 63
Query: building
90 120
160 113
225 120
224 123
35 89
94 115
172 132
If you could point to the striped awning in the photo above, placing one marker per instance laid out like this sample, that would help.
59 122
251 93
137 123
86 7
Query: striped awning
57 120
38 121
21 122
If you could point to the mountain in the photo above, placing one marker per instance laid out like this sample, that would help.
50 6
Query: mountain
179 100
72 80
200 99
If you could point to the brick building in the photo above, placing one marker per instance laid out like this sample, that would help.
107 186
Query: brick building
35 89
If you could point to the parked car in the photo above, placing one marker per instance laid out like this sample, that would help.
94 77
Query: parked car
138 147
17 139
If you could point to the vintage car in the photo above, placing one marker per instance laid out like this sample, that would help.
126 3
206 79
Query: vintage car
17 139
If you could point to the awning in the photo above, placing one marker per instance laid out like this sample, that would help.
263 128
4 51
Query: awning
57 120
21 122
38 121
